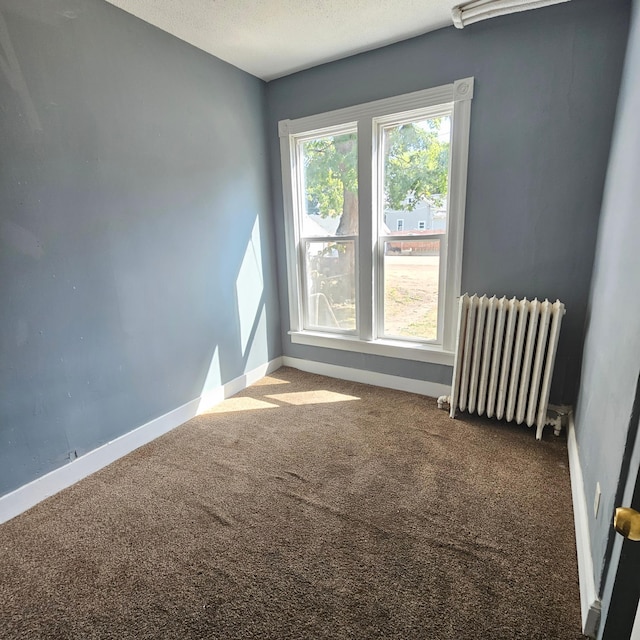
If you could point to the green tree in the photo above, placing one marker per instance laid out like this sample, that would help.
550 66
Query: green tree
416 167
331 177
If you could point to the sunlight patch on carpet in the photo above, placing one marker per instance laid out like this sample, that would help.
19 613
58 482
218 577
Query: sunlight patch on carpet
319 396
268 380
241 404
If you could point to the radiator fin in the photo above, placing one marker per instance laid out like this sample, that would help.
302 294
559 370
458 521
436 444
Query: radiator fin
504 358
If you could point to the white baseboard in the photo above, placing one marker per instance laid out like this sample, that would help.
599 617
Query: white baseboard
589 601
27 496
217 395
412 385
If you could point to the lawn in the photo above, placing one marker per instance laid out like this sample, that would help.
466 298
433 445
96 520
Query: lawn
411 298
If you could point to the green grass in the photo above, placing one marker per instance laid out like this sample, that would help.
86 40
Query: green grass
427 327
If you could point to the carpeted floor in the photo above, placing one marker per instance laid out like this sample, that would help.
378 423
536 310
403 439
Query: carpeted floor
306 507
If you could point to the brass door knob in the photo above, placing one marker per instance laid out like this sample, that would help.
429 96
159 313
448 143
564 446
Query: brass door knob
626 522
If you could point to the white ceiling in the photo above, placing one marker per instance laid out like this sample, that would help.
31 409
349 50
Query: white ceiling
272 38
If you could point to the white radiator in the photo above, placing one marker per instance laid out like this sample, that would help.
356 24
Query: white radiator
504 359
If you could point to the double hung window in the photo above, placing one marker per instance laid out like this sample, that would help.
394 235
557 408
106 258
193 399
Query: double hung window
374 211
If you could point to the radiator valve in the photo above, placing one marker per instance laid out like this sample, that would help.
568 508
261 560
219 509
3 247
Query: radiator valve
557 416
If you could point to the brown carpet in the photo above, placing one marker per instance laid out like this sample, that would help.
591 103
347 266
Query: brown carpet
306 507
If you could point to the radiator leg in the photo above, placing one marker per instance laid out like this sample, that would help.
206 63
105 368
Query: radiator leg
442 400
555 422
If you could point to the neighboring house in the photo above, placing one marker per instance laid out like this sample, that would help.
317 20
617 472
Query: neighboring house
316 225
425 217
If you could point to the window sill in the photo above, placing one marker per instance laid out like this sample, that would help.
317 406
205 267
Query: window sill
388 348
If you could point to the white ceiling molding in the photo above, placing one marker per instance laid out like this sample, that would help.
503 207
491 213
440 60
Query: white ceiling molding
477 10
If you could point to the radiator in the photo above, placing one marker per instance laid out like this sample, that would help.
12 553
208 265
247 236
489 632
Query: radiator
504 359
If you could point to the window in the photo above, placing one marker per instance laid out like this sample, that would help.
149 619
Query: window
364 272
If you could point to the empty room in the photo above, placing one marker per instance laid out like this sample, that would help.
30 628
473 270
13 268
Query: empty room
320 320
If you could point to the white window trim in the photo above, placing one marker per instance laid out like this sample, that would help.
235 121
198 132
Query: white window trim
458 96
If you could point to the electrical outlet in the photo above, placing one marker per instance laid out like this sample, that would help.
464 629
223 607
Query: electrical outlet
596 500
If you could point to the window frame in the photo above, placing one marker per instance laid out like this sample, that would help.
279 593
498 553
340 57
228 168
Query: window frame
369 118
303 240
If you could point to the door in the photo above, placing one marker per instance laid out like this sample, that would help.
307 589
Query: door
620 597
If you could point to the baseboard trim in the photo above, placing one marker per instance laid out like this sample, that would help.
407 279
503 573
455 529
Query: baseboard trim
217 395
14 503
432 389
589 601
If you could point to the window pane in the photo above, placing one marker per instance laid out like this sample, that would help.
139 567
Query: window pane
416 176
411 276
331 285
330 185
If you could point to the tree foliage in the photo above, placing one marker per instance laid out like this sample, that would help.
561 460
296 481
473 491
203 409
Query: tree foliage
416 165
416 168
330 166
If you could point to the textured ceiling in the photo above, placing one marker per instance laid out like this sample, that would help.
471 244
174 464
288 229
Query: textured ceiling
272 38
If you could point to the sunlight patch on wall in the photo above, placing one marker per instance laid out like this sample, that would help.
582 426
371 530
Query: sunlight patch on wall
250 287
212 390
312 397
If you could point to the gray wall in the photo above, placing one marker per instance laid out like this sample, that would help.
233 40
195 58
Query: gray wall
612 347
546 88
136 244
